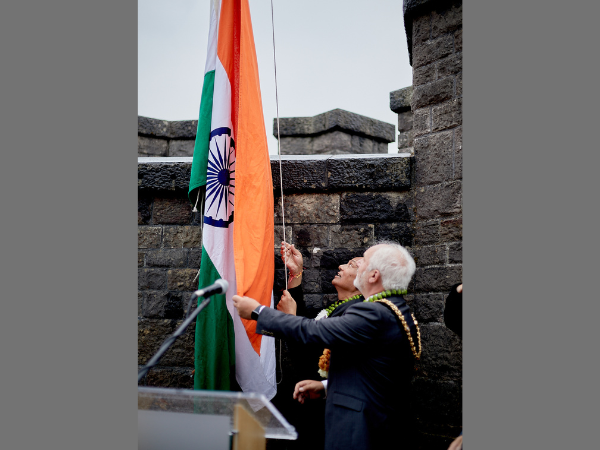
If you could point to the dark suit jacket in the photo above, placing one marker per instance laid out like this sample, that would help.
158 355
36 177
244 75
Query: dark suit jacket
371 367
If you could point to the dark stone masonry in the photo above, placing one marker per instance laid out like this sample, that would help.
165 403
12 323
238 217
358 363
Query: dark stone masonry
337 204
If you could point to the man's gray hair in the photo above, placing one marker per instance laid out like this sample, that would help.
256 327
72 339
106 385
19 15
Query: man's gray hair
395 265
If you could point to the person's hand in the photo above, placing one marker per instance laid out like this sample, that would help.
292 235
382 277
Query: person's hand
308 389
459 289
287 304
292 258
456 444
245 306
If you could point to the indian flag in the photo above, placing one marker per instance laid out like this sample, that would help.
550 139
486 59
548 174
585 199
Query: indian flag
231 173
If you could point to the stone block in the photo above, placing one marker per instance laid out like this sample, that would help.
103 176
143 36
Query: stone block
182 236
369 173
164 176
405 139
374 207
182 279
329 299
439 200
153 127
362 145
295 145
152 333
428 307
352 236
183 129
333 258
140 303
458 82
455 253
311 235
427 232
170 377
172 211
422 121
405 121
450 65
152 146
309 208
326 277
314 304
181 147
458 40
433 158
144 210
451 230
163 305
446 115
446 19
458 153
149 236
442 353
194 258
437 278
332 143
424 74
421 29
166 258
141 259
432 50
436 92
400 232
152 279
430 255
299 176
439 402
311 282
400 100
279 234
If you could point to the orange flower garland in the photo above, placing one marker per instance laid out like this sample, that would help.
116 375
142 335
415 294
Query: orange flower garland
324 363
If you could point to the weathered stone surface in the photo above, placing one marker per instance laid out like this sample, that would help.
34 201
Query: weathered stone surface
299 176
439 200
422 121
194 258
442 352
373 207
433 158
152 146
455 253
311 235
424 74
166 258
427 307
141 259
326 277
181 147
400 232
369 173
311 282
405 139
427 232
458 83
164 176
154 279
446 115
333 258
400 100
430 255
361 145
450 65
182 236
152 333
279 234
183 129
172 211
170 377
438 402
144 210
149 236
458 153
309 208
163 305
329 299
458 40
437 278
432 50
421 29
314 303
182 279
352 236
405 121
140 303
336 119
153 127
451 230
432 93
446 19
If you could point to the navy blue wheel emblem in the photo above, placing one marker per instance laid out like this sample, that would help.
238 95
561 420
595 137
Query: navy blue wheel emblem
220 179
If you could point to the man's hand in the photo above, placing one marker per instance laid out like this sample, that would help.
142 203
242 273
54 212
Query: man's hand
308 389
456 444
459 289
292 258
245 306
287 304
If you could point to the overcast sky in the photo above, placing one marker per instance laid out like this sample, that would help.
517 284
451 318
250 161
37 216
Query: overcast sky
330 54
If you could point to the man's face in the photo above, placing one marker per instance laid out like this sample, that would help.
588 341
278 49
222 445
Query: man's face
345 277
361 273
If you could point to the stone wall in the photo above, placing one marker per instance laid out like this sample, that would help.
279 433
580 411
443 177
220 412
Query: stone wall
400 102
166 138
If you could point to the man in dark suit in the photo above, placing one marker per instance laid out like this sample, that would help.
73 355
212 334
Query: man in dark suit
373 350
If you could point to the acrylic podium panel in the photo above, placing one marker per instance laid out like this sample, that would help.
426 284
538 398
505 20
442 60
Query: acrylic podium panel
182 418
